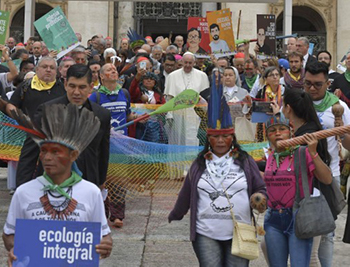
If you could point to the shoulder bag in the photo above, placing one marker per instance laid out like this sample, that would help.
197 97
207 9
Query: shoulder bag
244 240
313 216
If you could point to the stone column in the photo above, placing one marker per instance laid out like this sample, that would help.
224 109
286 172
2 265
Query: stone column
343 29
29 12
125 20
88 18
208 7
287 18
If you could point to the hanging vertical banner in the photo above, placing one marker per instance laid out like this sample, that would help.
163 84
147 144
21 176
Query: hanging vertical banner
56 243
4 21
56 32
197 36
222 41
266 35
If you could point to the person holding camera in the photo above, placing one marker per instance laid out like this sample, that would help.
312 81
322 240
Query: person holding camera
272 91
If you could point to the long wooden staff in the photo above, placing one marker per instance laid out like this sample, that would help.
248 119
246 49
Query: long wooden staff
239 23
300 140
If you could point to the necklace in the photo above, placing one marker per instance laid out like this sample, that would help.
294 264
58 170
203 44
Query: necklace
61 211
186 78
281 161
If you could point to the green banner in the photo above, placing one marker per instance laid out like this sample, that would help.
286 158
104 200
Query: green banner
186 99
56 32
4 21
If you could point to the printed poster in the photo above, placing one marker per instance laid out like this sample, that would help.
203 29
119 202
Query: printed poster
56 243
197 36
222 41
56 32
4 21
266 36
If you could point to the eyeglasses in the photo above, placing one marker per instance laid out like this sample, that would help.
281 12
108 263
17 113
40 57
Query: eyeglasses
317 85
195 37
273 75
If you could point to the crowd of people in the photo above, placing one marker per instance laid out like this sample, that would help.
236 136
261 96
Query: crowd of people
302 90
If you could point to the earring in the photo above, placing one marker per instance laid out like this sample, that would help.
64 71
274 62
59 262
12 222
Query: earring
234 152
209 154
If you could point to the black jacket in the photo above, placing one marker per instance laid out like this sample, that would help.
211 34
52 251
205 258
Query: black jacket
93 161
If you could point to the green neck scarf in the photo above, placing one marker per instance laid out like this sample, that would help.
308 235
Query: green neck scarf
250 81
347 75
74 179
104 90
328 101
285 153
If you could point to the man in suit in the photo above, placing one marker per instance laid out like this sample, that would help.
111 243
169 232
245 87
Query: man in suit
303 48
93 161
37 49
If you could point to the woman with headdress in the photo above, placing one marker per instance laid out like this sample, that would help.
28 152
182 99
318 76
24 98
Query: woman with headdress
221 177
280 179
145 89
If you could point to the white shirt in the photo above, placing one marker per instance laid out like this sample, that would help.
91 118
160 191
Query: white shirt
306 57
26 204
178 80
213 214
327 121
220 46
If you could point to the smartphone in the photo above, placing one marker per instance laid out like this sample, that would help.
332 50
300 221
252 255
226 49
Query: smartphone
143 65
264 107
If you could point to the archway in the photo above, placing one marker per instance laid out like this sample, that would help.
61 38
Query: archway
17 24
305 22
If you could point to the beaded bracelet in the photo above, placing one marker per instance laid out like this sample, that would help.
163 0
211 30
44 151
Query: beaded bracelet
314 156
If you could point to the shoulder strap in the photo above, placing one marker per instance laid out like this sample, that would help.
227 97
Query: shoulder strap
304 173
296 173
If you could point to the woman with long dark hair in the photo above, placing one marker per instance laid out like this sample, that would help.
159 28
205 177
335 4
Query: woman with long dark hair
223 176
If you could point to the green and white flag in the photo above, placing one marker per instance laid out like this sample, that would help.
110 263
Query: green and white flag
56 32
4 21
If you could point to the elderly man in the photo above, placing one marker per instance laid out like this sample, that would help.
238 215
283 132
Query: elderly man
179 41
186 78
179 80
11 44
28 96
302 46
79 55
37 49
291 44
65 64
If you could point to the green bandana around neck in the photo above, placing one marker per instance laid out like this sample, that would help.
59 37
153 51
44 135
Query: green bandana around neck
347 75
250 81
285 153
328 101
72 180
104 90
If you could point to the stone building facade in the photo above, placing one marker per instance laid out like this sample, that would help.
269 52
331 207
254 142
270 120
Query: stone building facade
325 22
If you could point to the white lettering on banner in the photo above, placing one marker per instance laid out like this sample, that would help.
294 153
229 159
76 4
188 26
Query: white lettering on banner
53 19
52 250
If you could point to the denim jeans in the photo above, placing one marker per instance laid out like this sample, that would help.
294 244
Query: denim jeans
325 251
216 253
281 240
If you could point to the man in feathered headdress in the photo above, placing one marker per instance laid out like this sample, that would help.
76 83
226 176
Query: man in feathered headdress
60 193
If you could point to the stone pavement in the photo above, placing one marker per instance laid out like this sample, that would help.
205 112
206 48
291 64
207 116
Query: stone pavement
148 240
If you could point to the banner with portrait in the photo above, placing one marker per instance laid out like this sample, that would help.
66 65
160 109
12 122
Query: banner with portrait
198 36
56 32
266 36
222 41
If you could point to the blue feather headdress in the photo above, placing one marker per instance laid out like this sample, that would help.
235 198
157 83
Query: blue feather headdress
219 116
136 40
